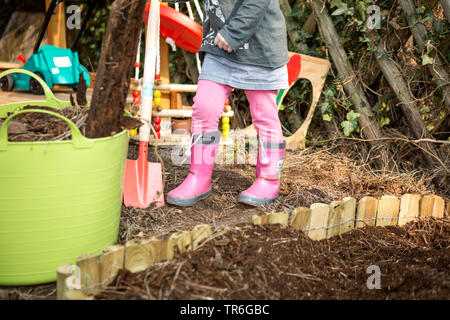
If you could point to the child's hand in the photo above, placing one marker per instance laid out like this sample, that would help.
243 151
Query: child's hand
222 43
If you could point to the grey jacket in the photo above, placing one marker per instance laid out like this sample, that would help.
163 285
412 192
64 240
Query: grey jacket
256 30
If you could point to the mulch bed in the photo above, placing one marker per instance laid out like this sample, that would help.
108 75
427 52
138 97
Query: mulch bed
270 262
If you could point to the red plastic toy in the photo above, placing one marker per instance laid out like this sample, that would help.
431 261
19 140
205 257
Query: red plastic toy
186 33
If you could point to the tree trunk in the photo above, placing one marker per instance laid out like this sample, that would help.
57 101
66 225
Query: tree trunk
369 127
446 6
392 43
397 83
113 74
294 36
419 32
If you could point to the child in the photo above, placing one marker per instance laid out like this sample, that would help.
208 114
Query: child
244 46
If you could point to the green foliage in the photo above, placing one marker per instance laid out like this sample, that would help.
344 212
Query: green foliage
351 124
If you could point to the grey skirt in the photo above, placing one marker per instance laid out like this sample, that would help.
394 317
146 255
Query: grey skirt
242 76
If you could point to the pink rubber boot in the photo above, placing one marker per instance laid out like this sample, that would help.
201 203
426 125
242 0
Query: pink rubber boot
197 184
264 111
268 171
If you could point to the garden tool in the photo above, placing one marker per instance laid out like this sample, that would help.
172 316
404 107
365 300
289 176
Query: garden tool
143 179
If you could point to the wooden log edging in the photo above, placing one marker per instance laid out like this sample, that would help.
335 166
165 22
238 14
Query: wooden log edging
322 221
93 272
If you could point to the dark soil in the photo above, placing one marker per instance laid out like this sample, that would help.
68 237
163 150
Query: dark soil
270 262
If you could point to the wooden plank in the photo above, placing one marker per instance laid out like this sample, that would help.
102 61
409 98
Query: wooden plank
426 205
262 220
89 272
349 214
139 255
438 207
367 212
163 249
388 210
279 218
111 261
176 101
300 218
164 72
56 31
199 234
409 208
182 241
72 291
63 272
317 227
334 219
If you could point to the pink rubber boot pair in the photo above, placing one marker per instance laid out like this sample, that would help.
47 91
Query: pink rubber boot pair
207 109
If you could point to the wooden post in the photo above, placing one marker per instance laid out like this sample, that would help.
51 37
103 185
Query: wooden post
426 206
62 273
438 207
89 272
300 218
182 241
116 60
367 212
199 234
139 255
56 31
335 218
262 220
111 261
279 218
163 249
349 214
409 208
317 227
388 210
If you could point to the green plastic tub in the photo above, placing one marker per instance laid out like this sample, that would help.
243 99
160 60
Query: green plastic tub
58 200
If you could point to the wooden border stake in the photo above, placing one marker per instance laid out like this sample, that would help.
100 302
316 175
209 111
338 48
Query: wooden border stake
349 214
300 218
388 210
139 255
409 208
367 212
317 227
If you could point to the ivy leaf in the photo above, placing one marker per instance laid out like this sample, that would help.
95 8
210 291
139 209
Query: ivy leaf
326 117
384 121
341 10
353 116
426 59
348 127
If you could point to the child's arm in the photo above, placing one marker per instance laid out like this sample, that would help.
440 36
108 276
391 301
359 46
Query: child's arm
240 28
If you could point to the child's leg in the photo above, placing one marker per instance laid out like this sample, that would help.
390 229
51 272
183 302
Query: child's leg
207 109
264 111
208 106
271 148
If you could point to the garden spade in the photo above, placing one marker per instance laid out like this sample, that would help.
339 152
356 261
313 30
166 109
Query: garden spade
143 179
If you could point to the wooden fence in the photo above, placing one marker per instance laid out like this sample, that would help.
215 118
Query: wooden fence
93 272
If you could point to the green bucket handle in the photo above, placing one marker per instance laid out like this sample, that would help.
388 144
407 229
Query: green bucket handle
78 140
51 100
